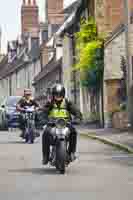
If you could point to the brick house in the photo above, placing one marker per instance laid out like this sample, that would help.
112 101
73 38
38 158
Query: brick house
51 51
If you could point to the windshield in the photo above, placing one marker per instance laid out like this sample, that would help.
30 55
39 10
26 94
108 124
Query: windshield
12 101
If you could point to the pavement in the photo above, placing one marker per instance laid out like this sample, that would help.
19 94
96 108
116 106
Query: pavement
114 137
99 173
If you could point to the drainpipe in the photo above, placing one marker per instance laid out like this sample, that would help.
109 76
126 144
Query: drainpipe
102 96
10 86
74 72
126 20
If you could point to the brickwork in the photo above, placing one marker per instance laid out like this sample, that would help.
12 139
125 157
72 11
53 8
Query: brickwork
113 13
54 8
108 14
29 17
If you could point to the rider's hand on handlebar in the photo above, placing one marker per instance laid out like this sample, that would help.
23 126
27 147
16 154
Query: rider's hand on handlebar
38 108
22 110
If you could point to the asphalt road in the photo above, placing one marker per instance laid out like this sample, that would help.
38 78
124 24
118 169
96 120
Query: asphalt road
100 172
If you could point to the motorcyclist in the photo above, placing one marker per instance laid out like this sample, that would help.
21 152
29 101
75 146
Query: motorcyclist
26 100
59 104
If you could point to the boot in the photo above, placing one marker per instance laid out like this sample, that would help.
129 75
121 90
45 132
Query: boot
72 157
45 160
22 135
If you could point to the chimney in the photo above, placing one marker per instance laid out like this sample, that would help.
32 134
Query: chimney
24 2
54 8
44 25
29 17
34 2
44 35
29 2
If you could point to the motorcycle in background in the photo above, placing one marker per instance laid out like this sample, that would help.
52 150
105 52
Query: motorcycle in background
29 116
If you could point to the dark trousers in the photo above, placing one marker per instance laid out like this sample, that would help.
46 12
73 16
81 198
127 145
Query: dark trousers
22 122
47 140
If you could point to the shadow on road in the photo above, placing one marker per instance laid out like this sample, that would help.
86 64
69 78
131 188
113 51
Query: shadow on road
16 142
37 171
12 142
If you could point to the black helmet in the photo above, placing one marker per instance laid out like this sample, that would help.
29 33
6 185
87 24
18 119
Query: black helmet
58 90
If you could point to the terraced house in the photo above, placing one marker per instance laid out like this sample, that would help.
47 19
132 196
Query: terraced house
22 61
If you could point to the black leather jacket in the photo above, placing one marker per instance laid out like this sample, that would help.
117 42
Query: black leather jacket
23 102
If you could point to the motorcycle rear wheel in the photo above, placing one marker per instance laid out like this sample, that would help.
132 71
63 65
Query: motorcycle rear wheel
31 136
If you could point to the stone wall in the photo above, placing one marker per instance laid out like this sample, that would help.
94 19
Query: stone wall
114 49
120 120
112 87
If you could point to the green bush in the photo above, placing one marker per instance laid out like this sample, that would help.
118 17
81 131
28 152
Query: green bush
89 46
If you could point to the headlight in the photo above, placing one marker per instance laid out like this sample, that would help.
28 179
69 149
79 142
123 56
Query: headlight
65 131
60 123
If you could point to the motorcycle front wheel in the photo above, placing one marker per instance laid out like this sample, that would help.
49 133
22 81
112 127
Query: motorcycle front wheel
61 156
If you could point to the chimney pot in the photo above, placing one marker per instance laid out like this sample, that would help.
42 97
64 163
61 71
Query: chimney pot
24 2
34 2
29 2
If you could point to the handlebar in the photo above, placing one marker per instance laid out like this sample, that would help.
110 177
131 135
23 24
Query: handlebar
54 121
28 109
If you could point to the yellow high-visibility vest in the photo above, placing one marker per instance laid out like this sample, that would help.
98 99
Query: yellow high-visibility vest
59 112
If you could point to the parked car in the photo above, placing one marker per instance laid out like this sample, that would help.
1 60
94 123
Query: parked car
9 116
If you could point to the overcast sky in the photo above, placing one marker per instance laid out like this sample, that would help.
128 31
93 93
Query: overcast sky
10 18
